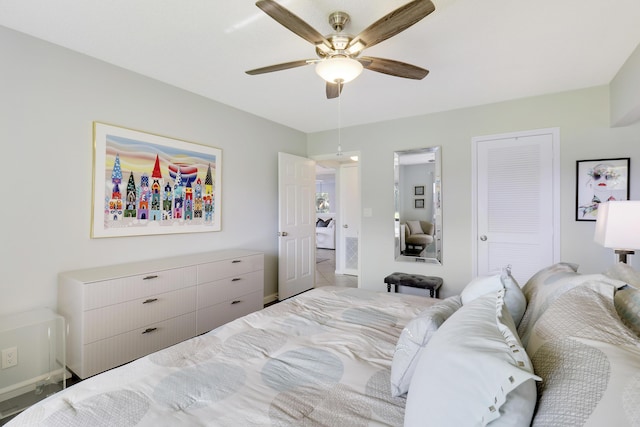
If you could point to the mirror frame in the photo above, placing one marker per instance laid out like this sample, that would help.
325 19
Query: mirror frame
436 203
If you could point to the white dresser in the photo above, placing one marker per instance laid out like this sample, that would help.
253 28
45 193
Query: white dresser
118 313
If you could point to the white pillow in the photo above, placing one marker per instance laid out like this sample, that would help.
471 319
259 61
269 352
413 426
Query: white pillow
515 299
473 371
480 286
413 339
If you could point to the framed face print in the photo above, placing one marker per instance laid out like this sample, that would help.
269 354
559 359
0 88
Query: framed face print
600 181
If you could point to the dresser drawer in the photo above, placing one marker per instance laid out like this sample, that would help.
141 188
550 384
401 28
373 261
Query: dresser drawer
108 308
108 292
116 319
213 316
232 267
111 352
213 293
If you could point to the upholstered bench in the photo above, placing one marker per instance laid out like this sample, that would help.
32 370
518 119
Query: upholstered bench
431 283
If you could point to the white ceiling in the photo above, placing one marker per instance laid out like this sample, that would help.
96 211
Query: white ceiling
477 52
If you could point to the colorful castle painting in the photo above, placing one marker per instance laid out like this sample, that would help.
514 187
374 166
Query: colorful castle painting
142 200
154 185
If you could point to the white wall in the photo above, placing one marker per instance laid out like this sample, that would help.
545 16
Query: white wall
583 119
49 98
625 103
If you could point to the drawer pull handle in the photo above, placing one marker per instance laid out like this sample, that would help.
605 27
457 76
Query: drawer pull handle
149 330
153 276
236 261
150 300
235 279
236 302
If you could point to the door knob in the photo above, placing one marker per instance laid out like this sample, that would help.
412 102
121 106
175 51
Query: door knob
283 233
345 226
483 238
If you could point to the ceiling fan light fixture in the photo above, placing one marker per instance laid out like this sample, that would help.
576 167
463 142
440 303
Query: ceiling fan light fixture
338 69
356 47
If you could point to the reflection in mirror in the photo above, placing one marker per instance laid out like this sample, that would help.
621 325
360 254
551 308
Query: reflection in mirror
418 215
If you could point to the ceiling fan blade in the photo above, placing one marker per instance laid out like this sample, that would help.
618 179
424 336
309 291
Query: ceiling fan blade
292 22
279 67
392 23
334 90
393 68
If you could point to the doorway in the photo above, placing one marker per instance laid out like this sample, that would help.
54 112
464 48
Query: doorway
337 178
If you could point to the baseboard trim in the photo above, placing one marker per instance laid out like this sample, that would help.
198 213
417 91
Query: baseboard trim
270 298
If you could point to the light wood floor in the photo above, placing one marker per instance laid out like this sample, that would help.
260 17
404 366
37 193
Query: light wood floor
326 271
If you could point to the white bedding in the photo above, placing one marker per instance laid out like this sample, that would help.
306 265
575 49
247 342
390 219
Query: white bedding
321 358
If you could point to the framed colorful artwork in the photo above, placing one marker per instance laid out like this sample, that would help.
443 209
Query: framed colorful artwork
145 184
600 181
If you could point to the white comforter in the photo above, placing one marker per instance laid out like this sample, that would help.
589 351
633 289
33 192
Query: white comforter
321 358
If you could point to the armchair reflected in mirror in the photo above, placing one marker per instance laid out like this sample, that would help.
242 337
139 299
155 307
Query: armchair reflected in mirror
418 210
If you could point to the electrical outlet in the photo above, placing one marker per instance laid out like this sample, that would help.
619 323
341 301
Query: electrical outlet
9 357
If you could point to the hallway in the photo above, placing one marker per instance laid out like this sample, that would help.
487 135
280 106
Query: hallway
325 271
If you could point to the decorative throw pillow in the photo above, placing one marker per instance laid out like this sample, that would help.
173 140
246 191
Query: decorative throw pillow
415 227
547 276
627 303
589 363
514 298
322 223
487 377
556 286
624 272
413 339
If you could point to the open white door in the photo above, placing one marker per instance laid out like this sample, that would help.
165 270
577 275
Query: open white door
516 202
296 225
347 261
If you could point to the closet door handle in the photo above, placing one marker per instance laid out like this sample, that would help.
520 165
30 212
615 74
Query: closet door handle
153 276
235 279
148 330
147 301
235 261
236 302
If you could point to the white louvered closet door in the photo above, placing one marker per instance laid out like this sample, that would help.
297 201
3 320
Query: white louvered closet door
516 204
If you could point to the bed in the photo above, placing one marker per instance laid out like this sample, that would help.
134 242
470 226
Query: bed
294 363
561 350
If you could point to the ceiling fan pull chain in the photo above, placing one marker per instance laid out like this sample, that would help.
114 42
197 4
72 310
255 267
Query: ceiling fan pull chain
339 119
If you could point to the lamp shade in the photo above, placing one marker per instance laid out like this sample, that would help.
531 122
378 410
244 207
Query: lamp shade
618 225
338 69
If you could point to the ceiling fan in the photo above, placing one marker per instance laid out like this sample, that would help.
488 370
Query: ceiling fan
339 53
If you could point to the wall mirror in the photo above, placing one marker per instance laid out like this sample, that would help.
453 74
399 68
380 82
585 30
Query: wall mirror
418 205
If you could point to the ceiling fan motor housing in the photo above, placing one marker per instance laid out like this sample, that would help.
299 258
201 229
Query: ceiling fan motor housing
338 20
